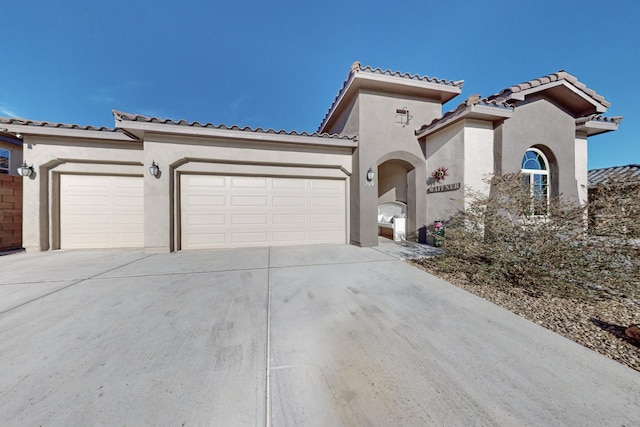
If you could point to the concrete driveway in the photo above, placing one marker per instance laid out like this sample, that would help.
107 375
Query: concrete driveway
309 336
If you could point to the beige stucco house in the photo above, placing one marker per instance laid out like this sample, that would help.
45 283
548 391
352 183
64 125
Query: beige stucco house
167 185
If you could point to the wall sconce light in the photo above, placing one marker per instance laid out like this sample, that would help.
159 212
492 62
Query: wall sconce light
370 175
24 170
154 170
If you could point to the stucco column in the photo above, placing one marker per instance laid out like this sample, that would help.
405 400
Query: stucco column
35 205
416 201
158 194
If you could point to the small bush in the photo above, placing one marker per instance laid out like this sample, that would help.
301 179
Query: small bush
496 239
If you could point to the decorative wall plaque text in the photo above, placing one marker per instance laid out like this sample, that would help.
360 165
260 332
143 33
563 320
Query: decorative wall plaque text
443 188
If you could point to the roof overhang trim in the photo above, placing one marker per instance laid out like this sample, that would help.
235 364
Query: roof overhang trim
476 112
596 127
62 132
140 128
520 96
390 84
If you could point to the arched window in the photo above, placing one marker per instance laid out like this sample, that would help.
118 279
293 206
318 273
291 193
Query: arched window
535 169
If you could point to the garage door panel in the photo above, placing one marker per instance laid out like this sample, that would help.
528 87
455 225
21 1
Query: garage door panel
324 219
325 184
123 238
99 211
203 200
249 238
289 237
289 219
285 183
248 201
325 236
248 219
204 180
288 201
135 221
261 211
329 203
250 182
203 219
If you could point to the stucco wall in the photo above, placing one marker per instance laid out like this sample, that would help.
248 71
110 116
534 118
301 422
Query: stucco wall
478 157
392 182
445 148
540 123
176 155
349 121
382 138
51 156
582 171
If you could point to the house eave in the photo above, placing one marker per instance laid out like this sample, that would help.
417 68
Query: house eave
599 107
388 84
477 112
63 132
142 129
595 127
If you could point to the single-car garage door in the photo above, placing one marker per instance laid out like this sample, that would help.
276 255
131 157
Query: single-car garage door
231 211
99 211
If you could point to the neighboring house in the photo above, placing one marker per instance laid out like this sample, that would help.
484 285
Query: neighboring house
169 185
614 200
10 191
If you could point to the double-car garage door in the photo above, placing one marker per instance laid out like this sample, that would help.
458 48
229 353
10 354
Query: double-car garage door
233 211
101 211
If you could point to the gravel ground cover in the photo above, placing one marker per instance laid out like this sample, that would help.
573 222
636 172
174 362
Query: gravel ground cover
596 323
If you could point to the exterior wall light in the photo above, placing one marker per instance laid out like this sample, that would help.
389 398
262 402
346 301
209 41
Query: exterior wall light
154 170
24 170
370 175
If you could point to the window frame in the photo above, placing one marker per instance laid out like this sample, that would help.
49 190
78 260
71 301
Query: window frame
5 170
531 176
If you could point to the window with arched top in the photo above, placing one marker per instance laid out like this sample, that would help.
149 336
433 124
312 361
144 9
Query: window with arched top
535 169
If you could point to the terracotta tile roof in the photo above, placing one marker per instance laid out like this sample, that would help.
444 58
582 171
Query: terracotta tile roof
356 67
26 122
450 116
600 176
122 116
599 118
505 94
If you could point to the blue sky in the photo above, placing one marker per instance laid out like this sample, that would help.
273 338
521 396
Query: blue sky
279 64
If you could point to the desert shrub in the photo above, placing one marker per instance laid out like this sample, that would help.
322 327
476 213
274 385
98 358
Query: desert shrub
497 239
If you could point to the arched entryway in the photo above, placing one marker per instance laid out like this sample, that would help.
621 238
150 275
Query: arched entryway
401 178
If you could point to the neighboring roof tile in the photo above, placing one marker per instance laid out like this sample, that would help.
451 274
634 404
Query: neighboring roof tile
26 122
601 176
122 116
356 67
505 94
450 116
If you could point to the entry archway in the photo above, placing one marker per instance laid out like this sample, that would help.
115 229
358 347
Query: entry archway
402 178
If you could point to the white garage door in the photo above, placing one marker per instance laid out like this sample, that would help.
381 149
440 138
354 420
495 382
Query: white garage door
230 211
101 211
